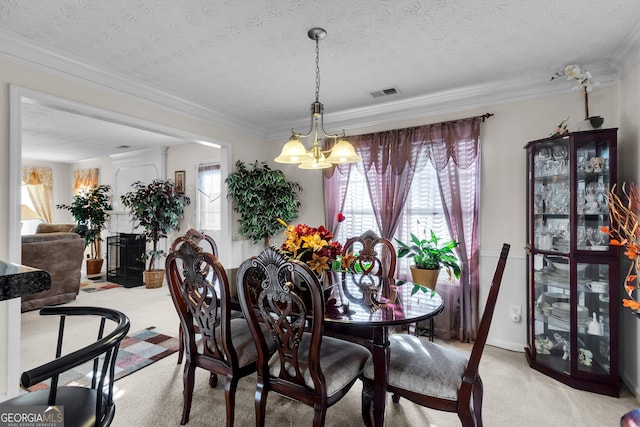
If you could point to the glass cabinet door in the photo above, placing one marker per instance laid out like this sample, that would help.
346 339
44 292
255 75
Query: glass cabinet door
553 312
551 196
592 186
593 340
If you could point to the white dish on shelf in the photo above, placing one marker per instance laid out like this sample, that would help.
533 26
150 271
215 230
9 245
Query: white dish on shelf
552 297
562 264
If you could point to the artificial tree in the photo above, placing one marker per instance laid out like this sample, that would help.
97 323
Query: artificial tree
260 196
89 209
157 207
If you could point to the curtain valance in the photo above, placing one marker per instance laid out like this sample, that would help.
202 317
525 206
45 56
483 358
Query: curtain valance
455 140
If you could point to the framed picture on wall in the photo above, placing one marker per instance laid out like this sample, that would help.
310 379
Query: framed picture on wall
179 180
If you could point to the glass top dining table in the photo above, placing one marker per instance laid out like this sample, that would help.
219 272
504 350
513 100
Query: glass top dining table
376 303
372 304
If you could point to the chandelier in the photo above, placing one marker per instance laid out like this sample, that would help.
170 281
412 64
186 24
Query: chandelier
294 152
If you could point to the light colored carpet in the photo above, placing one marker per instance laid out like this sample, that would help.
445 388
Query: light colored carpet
514 393
137 350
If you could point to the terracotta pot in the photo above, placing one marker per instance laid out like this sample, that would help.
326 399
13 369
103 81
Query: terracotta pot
94 266
425 277
153 278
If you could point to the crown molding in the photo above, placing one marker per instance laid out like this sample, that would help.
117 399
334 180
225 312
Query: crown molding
459 99
17 49
628 55
609 72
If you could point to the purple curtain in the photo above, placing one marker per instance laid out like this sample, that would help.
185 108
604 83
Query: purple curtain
389 161
459 183
335 193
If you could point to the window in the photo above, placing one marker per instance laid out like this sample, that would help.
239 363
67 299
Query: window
209 193
422 212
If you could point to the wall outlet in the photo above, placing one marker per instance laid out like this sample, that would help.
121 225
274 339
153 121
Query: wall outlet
515 312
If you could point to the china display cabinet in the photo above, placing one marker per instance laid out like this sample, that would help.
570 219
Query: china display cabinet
572 272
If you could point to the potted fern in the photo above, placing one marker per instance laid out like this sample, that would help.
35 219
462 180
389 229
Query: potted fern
158 208
89 209
429 256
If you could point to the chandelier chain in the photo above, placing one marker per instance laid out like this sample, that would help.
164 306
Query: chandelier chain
317 69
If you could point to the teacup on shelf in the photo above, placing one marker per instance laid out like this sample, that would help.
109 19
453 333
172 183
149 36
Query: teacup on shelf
598 287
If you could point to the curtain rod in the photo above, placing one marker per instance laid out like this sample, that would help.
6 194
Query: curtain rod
483 117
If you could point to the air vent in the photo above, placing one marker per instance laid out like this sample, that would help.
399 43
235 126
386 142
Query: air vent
385 92
123 146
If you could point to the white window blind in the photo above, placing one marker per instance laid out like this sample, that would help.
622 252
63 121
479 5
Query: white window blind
422 212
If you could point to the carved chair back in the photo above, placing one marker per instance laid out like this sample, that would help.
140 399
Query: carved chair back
288 301
200 292
373 255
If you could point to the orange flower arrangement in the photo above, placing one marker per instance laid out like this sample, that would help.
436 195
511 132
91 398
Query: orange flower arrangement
313 246
624 231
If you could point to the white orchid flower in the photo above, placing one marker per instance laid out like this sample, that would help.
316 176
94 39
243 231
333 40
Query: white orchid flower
572 71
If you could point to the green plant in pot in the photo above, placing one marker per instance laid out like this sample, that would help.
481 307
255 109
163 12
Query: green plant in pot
89 209
429 256
157 207
261 195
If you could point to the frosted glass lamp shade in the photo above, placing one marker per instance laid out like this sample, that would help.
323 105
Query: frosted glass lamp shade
312 163
343 152
293 152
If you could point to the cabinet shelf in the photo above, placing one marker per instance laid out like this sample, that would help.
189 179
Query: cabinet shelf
572 274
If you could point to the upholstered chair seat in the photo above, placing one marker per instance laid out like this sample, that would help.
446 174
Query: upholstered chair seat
438 372
340 361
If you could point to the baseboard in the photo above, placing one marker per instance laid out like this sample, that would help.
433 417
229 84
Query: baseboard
628 384
507 345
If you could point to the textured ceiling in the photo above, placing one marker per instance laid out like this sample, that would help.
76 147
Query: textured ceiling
249 65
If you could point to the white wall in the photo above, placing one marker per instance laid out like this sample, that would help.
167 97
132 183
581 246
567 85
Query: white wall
629 158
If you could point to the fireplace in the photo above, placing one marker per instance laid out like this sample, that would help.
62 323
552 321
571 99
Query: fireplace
124 259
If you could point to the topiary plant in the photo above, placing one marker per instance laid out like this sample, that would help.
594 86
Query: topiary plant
158 208
260 195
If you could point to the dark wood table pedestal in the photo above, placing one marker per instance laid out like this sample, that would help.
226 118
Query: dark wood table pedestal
377 304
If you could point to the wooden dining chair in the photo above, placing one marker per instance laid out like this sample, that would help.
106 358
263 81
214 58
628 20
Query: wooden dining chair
373 255
286 302
91 405
209 245
437 376
226 346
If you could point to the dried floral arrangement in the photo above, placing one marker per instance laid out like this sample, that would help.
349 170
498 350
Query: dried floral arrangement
624 231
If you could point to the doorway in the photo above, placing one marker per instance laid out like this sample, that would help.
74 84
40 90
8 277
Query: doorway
30 111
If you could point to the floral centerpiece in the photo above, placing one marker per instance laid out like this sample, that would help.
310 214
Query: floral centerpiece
311 245
624 231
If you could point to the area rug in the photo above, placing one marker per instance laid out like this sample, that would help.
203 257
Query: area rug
98 286
136 351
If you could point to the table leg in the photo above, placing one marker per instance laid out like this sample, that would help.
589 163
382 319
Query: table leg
380 356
